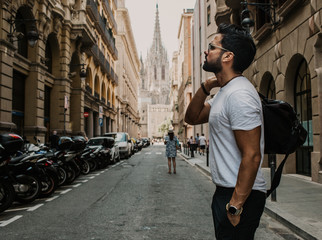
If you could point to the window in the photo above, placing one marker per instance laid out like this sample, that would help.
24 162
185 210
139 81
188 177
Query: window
261 16
303 106
155 73
163 72
271 94
208 15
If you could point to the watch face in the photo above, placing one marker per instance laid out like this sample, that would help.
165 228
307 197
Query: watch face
232 210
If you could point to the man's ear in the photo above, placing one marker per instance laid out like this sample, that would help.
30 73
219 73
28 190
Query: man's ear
227 56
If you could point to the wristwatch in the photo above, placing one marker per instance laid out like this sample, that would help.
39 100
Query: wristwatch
232 210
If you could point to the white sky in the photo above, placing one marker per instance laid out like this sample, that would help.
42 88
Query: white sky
142 15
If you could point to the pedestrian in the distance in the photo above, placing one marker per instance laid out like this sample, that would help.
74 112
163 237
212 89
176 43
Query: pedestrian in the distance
197 142
54 139
171 143
236 134
202 144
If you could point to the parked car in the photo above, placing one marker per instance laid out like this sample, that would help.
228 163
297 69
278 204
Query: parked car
109 143
123 140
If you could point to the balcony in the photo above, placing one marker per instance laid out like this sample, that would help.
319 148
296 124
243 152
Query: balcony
102 27
108 9
89 89
82 28
99 59
96 95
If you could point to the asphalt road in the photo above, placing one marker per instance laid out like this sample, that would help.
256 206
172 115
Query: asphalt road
132 200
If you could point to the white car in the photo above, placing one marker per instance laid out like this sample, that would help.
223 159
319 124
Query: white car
123 141
109 143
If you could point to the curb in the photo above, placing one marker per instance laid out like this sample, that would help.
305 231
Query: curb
203 170
292 225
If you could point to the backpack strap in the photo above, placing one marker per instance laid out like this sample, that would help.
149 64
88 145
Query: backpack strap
277 177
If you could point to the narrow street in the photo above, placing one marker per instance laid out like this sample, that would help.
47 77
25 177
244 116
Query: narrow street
134 199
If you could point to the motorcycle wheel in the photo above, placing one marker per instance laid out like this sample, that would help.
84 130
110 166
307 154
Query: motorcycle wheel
62 175
85 168
92 164
7 195
49 186
71 175
33 190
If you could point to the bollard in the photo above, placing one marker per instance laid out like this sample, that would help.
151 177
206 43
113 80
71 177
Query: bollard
192 150
207 151
272 161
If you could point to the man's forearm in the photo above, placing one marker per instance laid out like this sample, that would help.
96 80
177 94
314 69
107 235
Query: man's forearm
195 108
245 180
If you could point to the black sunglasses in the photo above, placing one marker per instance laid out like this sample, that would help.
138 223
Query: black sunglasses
213 47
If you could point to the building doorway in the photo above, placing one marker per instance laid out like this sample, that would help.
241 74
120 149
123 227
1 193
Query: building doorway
18 101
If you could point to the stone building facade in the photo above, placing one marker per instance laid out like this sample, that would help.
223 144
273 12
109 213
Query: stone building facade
155 86
128 69
203 30
184 68
287 66
67 81
174 79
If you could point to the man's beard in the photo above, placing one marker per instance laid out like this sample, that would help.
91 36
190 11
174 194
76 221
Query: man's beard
215 68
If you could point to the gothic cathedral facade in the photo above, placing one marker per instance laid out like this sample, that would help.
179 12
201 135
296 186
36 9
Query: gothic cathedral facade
155 110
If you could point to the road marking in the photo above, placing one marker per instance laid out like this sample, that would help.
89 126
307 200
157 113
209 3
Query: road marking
159 153
51 199
82 181
34 207
77 185
148 153
66 191
102 172
92 177
5 223
16 209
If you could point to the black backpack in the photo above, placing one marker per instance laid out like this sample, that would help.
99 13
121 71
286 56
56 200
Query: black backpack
283 132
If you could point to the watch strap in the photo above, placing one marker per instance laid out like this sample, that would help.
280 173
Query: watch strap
204 89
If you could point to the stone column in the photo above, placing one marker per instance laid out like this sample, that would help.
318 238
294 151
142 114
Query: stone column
90 124
96 124
6 73
104 125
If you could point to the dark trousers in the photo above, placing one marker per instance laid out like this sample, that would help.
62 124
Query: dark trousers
249 219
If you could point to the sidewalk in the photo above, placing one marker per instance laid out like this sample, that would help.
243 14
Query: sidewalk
298 205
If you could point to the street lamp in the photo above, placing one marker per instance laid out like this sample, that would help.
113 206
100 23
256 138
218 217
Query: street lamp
32 35
268 8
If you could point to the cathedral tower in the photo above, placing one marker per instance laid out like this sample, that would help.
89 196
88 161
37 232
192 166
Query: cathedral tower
156 68
154 101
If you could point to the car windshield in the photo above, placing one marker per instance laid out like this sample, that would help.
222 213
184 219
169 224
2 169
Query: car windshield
93 142
119 137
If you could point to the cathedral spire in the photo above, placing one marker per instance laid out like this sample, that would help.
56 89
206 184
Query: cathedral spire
157 44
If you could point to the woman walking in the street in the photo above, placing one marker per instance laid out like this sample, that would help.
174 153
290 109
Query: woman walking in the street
171 143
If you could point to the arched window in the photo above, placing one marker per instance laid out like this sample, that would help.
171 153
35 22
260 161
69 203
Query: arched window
271 94
303 106
49 57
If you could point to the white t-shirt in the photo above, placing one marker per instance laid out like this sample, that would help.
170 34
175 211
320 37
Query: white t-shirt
202 140
235 107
